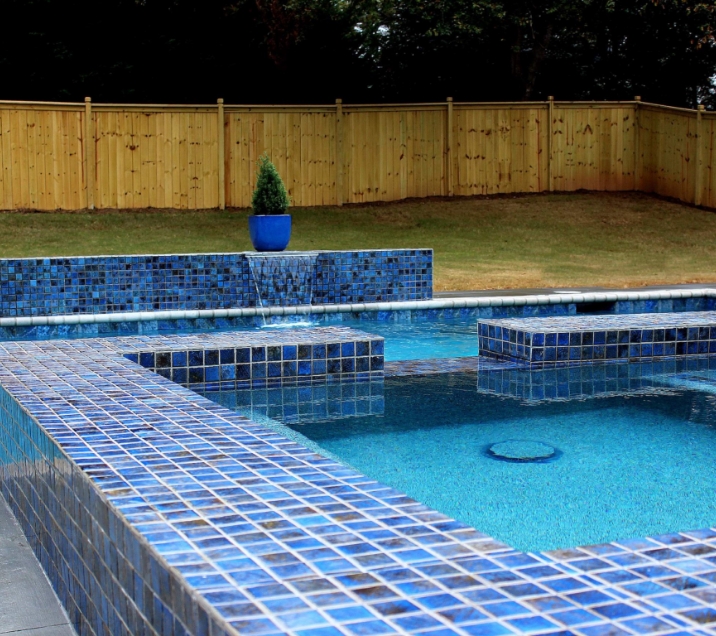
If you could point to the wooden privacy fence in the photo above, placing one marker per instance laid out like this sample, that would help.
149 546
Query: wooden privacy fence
78 155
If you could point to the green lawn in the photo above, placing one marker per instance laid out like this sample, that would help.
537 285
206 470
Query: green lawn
527 241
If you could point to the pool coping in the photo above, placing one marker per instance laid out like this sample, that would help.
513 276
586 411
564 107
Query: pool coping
497 300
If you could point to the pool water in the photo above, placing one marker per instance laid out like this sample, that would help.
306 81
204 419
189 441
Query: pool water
625 466
422 340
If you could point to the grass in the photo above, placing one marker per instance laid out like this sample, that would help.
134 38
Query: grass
602 239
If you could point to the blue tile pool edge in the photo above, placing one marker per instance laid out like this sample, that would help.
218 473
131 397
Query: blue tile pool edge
470 575
84 592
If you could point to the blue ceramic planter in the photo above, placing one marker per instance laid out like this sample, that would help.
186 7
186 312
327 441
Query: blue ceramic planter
270 232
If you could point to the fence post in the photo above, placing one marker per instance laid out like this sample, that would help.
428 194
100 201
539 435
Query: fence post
550 134
448 148
339 152
698 181
637 147
88 142
222 153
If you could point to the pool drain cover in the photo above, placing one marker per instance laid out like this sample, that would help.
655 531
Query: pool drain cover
522 450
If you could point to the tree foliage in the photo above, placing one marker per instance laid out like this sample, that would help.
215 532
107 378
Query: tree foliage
270 195
308 51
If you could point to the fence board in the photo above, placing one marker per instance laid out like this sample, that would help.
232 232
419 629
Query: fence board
668 141
593 147
500 150
708 159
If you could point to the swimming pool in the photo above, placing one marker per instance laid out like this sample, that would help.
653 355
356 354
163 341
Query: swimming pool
257 533
630 465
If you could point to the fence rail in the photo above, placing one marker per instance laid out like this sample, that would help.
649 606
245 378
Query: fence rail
77 155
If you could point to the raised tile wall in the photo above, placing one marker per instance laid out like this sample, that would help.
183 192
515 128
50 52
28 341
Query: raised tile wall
108 284
259 359
576 339
105 574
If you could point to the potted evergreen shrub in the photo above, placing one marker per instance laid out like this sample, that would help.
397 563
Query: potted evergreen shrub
269 225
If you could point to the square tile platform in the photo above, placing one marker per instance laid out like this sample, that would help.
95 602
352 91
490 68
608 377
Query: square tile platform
574 339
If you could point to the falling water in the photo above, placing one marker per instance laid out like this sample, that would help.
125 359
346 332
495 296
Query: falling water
283 279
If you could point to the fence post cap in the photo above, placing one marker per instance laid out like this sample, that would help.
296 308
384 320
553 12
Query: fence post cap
637 98
88 99
701 107
449 99
220 100
339 101
551 98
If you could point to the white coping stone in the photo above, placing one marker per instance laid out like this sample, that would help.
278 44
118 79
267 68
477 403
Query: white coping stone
448 303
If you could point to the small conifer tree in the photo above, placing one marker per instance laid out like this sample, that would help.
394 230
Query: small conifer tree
270 195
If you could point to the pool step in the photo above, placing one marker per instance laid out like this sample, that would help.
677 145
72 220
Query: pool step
574 339
255 359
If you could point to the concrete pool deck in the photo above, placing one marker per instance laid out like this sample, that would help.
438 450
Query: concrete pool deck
28 604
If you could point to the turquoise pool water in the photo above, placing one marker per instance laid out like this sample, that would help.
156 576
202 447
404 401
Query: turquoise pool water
630 466
420 340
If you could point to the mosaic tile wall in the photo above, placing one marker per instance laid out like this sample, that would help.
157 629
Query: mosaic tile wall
171 515
256 359
107 577
304 404
373 277
586 338
108 284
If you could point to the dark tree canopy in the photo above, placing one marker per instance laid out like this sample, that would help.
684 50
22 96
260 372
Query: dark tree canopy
312 51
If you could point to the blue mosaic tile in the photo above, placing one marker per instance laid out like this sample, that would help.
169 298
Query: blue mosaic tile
181 360
110 284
